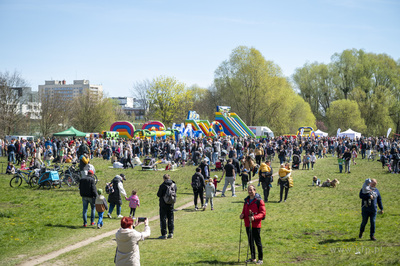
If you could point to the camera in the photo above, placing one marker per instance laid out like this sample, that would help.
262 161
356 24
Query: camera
141 219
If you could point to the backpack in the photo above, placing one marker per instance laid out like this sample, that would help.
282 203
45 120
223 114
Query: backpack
196 182
258 206
109 188
170 195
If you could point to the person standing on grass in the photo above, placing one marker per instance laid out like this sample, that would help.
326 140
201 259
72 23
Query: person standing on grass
369 208
198 187
347 160
115 197
265 178
101 206
88 192
127 239
253 213
229 173
166 209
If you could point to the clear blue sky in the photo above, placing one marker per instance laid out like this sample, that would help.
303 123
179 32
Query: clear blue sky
117 43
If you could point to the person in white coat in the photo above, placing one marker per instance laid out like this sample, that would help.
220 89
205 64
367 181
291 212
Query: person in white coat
128 238
210 193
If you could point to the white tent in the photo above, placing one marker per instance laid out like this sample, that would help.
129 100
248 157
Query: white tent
320 133
350 134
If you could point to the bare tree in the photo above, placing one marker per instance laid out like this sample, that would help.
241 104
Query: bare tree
52 114
141 93
11 98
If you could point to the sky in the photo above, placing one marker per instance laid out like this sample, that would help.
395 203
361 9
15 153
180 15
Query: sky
119 43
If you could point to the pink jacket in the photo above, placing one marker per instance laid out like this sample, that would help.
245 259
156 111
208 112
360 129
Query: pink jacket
133 201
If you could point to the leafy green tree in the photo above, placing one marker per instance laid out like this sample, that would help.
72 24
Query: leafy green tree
92 113
168 99
345 114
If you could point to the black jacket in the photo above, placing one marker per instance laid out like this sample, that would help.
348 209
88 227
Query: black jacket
115 197
162 190
198 181
87 187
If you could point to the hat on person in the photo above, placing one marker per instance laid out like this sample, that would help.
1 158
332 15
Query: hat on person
91 172
99 191
123 176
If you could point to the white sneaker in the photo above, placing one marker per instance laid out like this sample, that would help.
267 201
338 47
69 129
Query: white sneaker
120 216
109 215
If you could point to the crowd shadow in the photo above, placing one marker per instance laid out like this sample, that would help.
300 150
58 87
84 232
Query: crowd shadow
329 241
66 226
217 262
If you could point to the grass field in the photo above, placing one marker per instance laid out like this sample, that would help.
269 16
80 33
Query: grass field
317 226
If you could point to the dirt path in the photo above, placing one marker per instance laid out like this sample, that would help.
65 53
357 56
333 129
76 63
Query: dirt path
43 258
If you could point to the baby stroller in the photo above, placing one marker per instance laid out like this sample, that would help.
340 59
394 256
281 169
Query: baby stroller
296 161
219 165
49 179
149 164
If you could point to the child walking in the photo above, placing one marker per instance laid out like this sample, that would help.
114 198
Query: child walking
101 206
340 162
210 192
133 203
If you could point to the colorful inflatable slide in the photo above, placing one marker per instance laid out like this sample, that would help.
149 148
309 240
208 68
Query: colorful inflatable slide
125 129
197 124
231 123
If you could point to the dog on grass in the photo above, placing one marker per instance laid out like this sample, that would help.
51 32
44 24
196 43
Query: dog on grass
334 183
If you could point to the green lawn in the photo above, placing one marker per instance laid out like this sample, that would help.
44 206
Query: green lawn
315 226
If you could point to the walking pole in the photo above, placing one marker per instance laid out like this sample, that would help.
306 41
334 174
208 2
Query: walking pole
240 238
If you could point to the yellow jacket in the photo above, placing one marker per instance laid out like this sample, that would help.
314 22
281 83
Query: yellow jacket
283 172
264 168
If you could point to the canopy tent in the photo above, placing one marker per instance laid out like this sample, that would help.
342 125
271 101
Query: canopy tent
350 134
70 132
320 133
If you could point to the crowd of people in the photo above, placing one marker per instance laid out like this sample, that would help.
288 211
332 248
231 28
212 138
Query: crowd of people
244 157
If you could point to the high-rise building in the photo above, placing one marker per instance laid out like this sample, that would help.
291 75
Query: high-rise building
27 102
53 88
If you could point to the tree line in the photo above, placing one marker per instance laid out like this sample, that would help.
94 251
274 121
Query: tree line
357 90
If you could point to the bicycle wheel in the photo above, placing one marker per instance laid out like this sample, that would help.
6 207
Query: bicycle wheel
47 185
95 179
34 181
16 181
68 180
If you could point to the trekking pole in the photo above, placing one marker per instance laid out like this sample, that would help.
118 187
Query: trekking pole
240 237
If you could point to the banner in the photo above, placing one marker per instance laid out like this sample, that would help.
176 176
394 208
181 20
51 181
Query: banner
301 132
388 133
338 132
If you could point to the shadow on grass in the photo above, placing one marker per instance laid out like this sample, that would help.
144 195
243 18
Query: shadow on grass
328 241
242 201
69 190
189 210
217 262
66 226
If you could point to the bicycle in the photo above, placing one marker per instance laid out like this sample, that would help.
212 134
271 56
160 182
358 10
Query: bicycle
72 176
16 180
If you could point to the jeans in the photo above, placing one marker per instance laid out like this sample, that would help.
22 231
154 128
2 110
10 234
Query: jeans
11 157
229 180
86 201
211 202
340 168
167 213
347 166
100 222
363 154
365 215
254 236
112 205
214 157
132 213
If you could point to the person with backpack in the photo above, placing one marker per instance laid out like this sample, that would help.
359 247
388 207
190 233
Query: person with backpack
88 192
167 196
253 213
198 186
114 197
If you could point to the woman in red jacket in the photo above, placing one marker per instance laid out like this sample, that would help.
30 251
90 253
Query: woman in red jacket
253 213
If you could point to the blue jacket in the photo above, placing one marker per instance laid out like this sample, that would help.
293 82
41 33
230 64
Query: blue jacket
371 207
